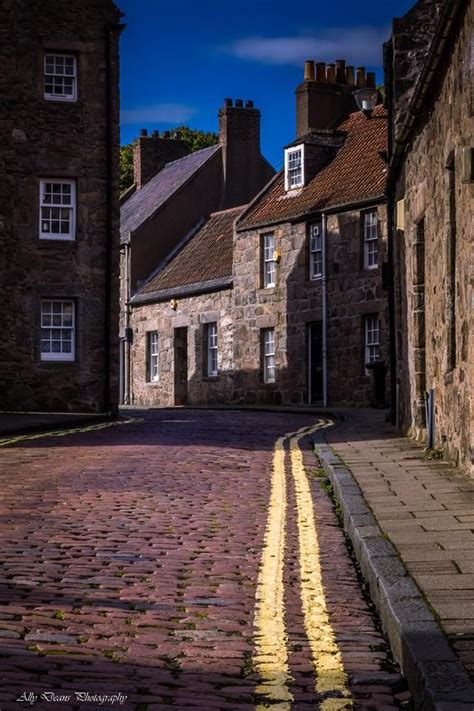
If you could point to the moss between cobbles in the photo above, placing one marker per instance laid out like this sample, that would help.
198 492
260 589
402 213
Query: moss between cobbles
433 453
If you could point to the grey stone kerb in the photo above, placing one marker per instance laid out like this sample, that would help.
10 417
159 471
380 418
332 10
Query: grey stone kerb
435 676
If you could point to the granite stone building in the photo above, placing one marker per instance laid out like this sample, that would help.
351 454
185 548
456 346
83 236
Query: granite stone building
173 191
59 212
281 299
429 70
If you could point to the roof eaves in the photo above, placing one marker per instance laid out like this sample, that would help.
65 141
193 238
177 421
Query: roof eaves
425 79
310 212
182 291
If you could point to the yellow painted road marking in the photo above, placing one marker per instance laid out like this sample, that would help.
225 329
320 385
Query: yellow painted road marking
271 656
326 656
14 439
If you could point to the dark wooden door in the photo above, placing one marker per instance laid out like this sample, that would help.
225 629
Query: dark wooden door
180 366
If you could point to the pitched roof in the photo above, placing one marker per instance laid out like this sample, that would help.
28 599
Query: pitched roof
146 201
356 173
205 257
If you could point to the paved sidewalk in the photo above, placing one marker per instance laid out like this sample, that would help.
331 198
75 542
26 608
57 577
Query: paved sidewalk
426 509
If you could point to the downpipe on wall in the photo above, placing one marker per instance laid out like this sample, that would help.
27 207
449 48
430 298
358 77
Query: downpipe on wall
324 309
430 421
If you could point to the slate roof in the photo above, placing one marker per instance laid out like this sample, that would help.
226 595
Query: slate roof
146 201
356 173
205 257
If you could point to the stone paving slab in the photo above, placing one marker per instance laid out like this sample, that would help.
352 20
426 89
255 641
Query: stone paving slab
426 509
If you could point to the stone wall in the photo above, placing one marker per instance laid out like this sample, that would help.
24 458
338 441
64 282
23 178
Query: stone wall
242 312
48 139
443 356
296 301
192 313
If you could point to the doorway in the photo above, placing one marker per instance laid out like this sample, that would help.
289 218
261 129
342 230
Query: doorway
181 366
315 362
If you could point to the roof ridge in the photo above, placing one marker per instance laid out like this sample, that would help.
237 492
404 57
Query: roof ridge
228 209
192 153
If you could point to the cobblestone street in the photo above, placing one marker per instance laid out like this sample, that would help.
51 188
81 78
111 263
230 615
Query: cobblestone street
187 559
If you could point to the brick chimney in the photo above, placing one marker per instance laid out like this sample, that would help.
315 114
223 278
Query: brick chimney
325 96
151 153
239 137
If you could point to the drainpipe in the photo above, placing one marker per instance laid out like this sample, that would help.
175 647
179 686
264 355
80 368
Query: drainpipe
126 389
110 30
324 305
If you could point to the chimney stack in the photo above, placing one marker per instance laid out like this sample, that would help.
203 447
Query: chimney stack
239 137
151 153
325 96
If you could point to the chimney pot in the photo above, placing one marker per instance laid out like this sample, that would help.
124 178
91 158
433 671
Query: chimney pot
331 73
249 104
360 81
155 134
239 104
350 79
143 132
167 134
371 80
341 71
228 102
321 71
309 70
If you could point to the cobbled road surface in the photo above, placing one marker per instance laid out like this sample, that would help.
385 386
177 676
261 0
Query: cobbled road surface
184 560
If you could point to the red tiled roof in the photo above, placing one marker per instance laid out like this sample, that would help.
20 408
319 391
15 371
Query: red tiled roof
357 172
205 257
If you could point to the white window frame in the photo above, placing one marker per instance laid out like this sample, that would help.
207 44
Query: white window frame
292 182
54 323
371 237
152 356
269 263
268 355
56 74
315 251
212 352
372 339
46 203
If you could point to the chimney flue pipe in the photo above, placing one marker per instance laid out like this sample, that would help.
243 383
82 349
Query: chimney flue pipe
371 80
341 71
360 80
321 71
309 70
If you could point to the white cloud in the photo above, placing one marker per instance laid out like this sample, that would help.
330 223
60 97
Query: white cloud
159 113
358 45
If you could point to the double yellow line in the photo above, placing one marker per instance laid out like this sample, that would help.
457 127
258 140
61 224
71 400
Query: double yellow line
271 655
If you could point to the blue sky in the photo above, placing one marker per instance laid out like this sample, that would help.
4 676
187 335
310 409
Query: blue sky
180 59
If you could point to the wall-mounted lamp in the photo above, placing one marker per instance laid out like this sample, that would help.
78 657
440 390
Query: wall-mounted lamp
366 99
277 256
174 304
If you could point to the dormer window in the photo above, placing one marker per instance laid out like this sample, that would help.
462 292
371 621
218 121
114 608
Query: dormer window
294 175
